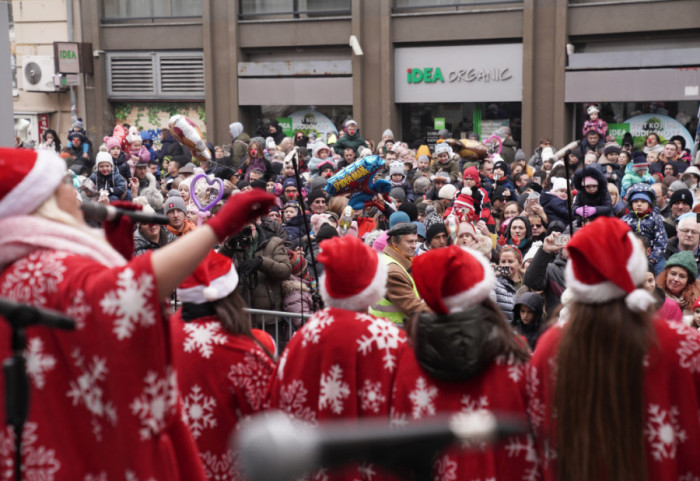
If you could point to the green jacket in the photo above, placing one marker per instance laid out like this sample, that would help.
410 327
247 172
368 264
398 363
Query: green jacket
353 141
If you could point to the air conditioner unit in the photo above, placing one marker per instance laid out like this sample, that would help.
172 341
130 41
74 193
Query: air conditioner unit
38 72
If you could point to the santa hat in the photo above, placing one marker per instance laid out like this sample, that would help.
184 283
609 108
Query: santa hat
28 178
453 278
464 200
354 277
213 279
607 262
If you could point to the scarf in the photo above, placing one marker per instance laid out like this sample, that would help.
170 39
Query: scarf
21 235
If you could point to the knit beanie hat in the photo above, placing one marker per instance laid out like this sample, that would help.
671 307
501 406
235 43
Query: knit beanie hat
298 262
686 260
447 191
472 173
112 142
520 155
431 217
78 124
326 232
639 161
612 148
28 178
173 203
103 157
410 209
434 230
398 193
397 217
396 167
681 195
558 183
316 194
443 148
289 182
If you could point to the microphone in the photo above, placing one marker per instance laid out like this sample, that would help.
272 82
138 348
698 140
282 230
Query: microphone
274 447
24 315
100 212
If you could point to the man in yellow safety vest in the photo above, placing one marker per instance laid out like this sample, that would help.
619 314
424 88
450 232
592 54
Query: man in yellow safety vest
401 298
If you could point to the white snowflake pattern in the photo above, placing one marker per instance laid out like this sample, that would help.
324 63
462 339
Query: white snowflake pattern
444 469
422 399
689 476
157 400
333 390
35 276
39 363
253 377
525 447
293 401
367 472
198 411
131 476
371 397
664 432
396 419
201 337
282 364
469 405
130 303
79 309
689 351
384 335
535 406
219 467
38 463
96 477
311 332
515 368
87 390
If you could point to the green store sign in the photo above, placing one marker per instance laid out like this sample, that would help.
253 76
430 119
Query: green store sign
428 75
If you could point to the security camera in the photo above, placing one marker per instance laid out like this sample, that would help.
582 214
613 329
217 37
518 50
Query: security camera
355 44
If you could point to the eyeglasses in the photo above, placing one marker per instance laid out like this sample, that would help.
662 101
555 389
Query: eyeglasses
535 226
688 232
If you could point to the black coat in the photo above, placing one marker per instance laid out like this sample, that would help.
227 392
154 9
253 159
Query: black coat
534 329
600 200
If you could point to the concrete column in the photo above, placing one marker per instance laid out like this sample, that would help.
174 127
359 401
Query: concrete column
7 138
544 62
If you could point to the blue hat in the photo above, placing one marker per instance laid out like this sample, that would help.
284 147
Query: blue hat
420 227
397 217
642 195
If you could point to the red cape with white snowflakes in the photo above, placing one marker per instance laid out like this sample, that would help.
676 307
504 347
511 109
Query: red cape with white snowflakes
671 394
340 365
223 378
499 388
104 397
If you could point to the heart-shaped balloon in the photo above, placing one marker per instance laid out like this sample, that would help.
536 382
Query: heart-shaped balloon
193 193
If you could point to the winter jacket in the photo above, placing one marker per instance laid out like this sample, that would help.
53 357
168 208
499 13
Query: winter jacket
143 154
143 245
239 149
113 183
451 166
295 227
399 286
658 166
630 178
546 273
297 297
353 141
171 147
262 289
122 166
534 329
555 208
507 184
510 147
504 293
600 200
650 226
586 147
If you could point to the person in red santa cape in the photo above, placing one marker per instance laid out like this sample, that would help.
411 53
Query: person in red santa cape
614 392
465 358
104 402
223 366
342 363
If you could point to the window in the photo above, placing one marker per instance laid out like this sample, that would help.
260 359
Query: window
297 8
152 8
155 75
410 4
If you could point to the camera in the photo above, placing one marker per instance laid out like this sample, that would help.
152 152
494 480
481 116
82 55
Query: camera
244 239
503 271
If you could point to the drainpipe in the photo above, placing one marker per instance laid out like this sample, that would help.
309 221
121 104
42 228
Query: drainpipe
73 101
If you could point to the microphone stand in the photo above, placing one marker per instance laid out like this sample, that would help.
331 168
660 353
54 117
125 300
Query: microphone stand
568 191
19 317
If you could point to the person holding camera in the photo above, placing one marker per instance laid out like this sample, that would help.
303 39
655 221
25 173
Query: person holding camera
263 264
509 278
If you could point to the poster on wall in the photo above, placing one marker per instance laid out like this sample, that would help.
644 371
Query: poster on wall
308 121
640 126
488 127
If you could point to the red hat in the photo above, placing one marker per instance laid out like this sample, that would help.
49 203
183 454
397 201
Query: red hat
354 277
28 178
213 279
465 201
607 262
453 278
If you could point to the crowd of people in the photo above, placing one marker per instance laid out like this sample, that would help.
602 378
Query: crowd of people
561 286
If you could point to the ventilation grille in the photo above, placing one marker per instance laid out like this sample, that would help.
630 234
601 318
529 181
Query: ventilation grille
155 75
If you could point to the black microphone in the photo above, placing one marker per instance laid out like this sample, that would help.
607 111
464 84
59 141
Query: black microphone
100 212
274 447
24 315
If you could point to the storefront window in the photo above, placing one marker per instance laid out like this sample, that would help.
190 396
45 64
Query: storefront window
638 119
323 120
152 8
446 3
255 8
422 121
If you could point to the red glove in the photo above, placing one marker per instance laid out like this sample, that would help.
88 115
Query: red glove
239 210
120 232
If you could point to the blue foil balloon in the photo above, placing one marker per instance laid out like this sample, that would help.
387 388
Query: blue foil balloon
356 177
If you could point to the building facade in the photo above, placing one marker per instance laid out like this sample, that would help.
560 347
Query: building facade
413 66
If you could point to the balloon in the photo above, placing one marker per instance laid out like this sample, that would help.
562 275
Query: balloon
356 177
121 133
468 149
189 135
500 142
193 194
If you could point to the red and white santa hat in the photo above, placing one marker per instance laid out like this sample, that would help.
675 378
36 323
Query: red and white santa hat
213 279
27 179
465 200
607 262
354 277
453 278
